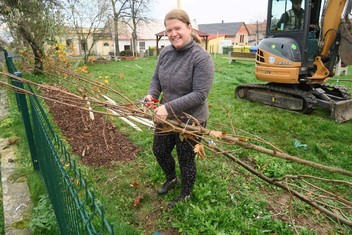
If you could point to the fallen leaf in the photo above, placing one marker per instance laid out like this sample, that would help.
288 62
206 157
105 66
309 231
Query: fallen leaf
138 200
121 75
316 211
134 184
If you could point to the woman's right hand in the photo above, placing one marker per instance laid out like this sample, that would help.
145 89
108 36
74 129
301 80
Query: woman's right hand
148 98
148 102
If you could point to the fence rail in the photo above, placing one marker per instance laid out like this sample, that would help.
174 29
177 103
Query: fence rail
76 210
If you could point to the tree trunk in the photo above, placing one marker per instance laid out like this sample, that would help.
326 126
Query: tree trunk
37 49
116 32
38 63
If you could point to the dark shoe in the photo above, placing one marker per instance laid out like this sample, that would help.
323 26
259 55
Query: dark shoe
179 199
167 186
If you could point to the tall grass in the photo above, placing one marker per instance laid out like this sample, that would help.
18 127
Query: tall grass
227 199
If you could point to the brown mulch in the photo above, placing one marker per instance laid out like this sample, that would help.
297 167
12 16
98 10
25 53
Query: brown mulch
97 141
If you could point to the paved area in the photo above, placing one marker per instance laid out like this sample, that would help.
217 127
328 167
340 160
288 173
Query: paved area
3 104
16 198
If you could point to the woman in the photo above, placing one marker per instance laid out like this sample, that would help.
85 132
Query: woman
183 75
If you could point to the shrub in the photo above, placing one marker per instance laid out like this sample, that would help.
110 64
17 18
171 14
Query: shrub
126 53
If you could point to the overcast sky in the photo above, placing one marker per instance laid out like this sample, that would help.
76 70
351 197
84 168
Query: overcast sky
214 11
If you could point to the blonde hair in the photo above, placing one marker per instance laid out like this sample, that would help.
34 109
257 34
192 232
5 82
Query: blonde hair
182 16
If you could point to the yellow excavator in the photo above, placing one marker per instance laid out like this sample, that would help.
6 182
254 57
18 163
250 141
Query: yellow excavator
296 62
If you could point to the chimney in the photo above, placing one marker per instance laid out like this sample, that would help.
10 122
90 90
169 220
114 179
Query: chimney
194 24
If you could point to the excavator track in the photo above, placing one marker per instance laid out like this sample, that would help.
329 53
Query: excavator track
278 96
336 90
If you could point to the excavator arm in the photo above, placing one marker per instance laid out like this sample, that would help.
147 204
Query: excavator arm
330 25
331 28
346 36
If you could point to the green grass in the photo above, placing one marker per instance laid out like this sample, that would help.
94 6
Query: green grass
227 199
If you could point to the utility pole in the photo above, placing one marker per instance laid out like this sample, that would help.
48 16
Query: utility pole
179 4
257 34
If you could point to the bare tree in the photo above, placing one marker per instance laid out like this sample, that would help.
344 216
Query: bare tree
119 11
87 18
34 22
137 12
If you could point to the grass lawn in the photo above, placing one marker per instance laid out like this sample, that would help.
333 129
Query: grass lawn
227 199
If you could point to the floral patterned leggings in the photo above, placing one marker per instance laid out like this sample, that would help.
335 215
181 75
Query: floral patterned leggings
163 145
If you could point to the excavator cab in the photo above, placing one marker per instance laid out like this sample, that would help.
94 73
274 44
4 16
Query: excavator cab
299 54
292 38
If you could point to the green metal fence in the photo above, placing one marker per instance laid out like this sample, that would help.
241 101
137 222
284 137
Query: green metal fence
76 210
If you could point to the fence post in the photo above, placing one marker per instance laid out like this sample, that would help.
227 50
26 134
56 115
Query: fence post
23 108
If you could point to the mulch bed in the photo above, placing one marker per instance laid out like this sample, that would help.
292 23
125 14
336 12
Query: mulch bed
97 141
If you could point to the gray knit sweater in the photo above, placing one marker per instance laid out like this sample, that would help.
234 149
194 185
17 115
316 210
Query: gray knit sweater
184 77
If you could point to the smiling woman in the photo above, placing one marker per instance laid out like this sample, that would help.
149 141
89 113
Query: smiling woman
182 78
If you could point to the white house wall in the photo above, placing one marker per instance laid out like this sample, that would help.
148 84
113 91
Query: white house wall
103 51
145 33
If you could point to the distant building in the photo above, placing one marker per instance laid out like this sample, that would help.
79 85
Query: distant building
215 40
104 45
231 34
151 37
257 32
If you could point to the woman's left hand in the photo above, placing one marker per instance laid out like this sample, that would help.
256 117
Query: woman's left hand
161 114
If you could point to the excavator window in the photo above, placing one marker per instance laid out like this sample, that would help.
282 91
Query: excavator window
287 15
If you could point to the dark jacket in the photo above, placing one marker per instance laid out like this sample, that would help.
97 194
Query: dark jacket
292 19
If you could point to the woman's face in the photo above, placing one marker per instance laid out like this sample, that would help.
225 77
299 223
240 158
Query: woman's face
179 33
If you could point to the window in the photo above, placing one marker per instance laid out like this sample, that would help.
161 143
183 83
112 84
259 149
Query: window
106 44
241 38
283 16
68 42
84 44
141 46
